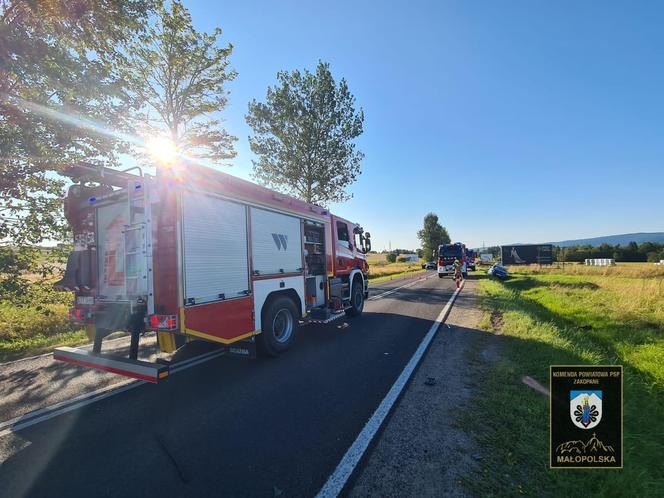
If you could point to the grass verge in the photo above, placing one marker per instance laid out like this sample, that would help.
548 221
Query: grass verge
555 317
37 344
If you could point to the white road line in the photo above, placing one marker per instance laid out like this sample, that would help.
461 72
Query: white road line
392 291
102 390
339 477
43 414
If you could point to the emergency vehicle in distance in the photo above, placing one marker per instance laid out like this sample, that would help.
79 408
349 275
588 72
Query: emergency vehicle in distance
447 253
471 256
199 254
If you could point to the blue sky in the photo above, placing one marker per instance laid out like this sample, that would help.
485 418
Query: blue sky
520 121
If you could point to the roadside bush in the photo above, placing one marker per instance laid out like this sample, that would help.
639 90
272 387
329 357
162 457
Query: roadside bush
33 316
13 266
40 310
43 293
24 322
391 257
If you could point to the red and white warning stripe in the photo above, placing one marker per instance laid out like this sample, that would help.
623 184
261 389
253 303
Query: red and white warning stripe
137 369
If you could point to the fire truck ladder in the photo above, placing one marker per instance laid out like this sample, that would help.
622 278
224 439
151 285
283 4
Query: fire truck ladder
138 250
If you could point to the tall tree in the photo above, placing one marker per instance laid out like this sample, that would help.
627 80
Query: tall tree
58 62
304 136
180 75
432 235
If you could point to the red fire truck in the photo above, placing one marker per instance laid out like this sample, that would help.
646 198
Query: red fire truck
194 253
447 254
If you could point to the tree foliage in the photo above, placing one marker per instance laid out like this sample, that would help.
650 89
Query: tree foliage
304 136
632 252
432 235
77 81
59 62
180 75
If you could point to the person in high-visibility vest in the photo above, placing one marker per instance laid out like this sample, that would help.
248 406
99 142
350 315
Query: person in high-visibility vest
458 276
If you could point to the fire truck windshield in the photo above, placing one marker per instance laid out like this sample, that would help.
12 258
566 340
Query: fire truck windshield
450 251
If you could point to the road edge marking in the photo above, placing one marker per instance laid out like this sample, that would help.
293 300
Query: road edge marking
46 413
337 481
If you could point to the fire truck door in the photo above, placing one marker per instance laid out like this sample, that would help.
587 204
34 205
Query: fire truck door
344 252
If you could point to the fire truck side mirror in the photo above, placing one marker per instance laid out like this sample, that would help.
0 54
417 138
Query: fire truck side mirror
366 242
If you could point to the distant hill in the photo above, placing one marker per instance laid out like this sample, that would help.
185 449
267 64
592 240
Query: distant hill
622 239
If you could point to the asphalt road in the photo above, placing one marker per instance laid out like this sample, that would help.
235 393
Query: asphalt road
29 384
232 427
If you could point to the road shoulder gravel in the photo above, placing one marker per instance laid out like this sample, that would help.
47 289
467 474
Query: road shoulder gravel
33 383
423 449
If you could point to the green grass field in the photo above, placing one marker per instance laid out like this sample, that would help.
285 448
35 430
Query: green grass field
380 269
577 316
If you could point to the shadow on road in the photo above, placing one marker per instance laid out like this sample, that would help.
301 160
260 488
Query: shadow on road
42 381
232 424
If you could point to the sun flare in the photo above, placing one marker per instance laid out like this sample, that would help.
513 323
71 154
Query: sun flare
162 149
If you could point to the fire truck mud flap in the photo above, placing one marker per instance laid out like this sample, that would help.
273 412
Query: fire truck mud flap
137 369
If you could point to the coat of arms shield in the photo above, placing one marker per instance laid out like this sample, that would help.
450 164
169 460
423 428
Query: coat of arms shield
585 408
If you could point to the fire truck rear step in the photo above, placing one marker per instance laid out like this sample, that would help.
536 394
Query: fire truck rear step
137 369
324 316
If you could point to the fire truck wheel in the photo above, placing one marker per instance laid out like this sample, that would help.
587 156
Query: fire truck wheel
356 299
440 275
279 326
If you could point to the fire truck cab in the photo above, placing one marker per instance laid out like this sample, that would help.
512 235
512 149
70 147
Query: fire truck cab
447 253
199 254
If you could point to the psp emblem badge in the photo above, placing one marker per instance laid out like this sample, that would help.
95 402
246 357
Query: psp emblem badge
586 416
585 408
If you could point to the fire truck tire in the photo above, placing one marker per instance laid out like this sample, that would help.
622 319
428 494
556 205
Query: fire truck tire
280 323
440 275
356 299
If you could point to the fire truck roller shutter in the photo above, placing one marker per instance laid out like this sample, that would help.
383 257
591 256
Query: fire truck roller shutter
215 249
276 243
